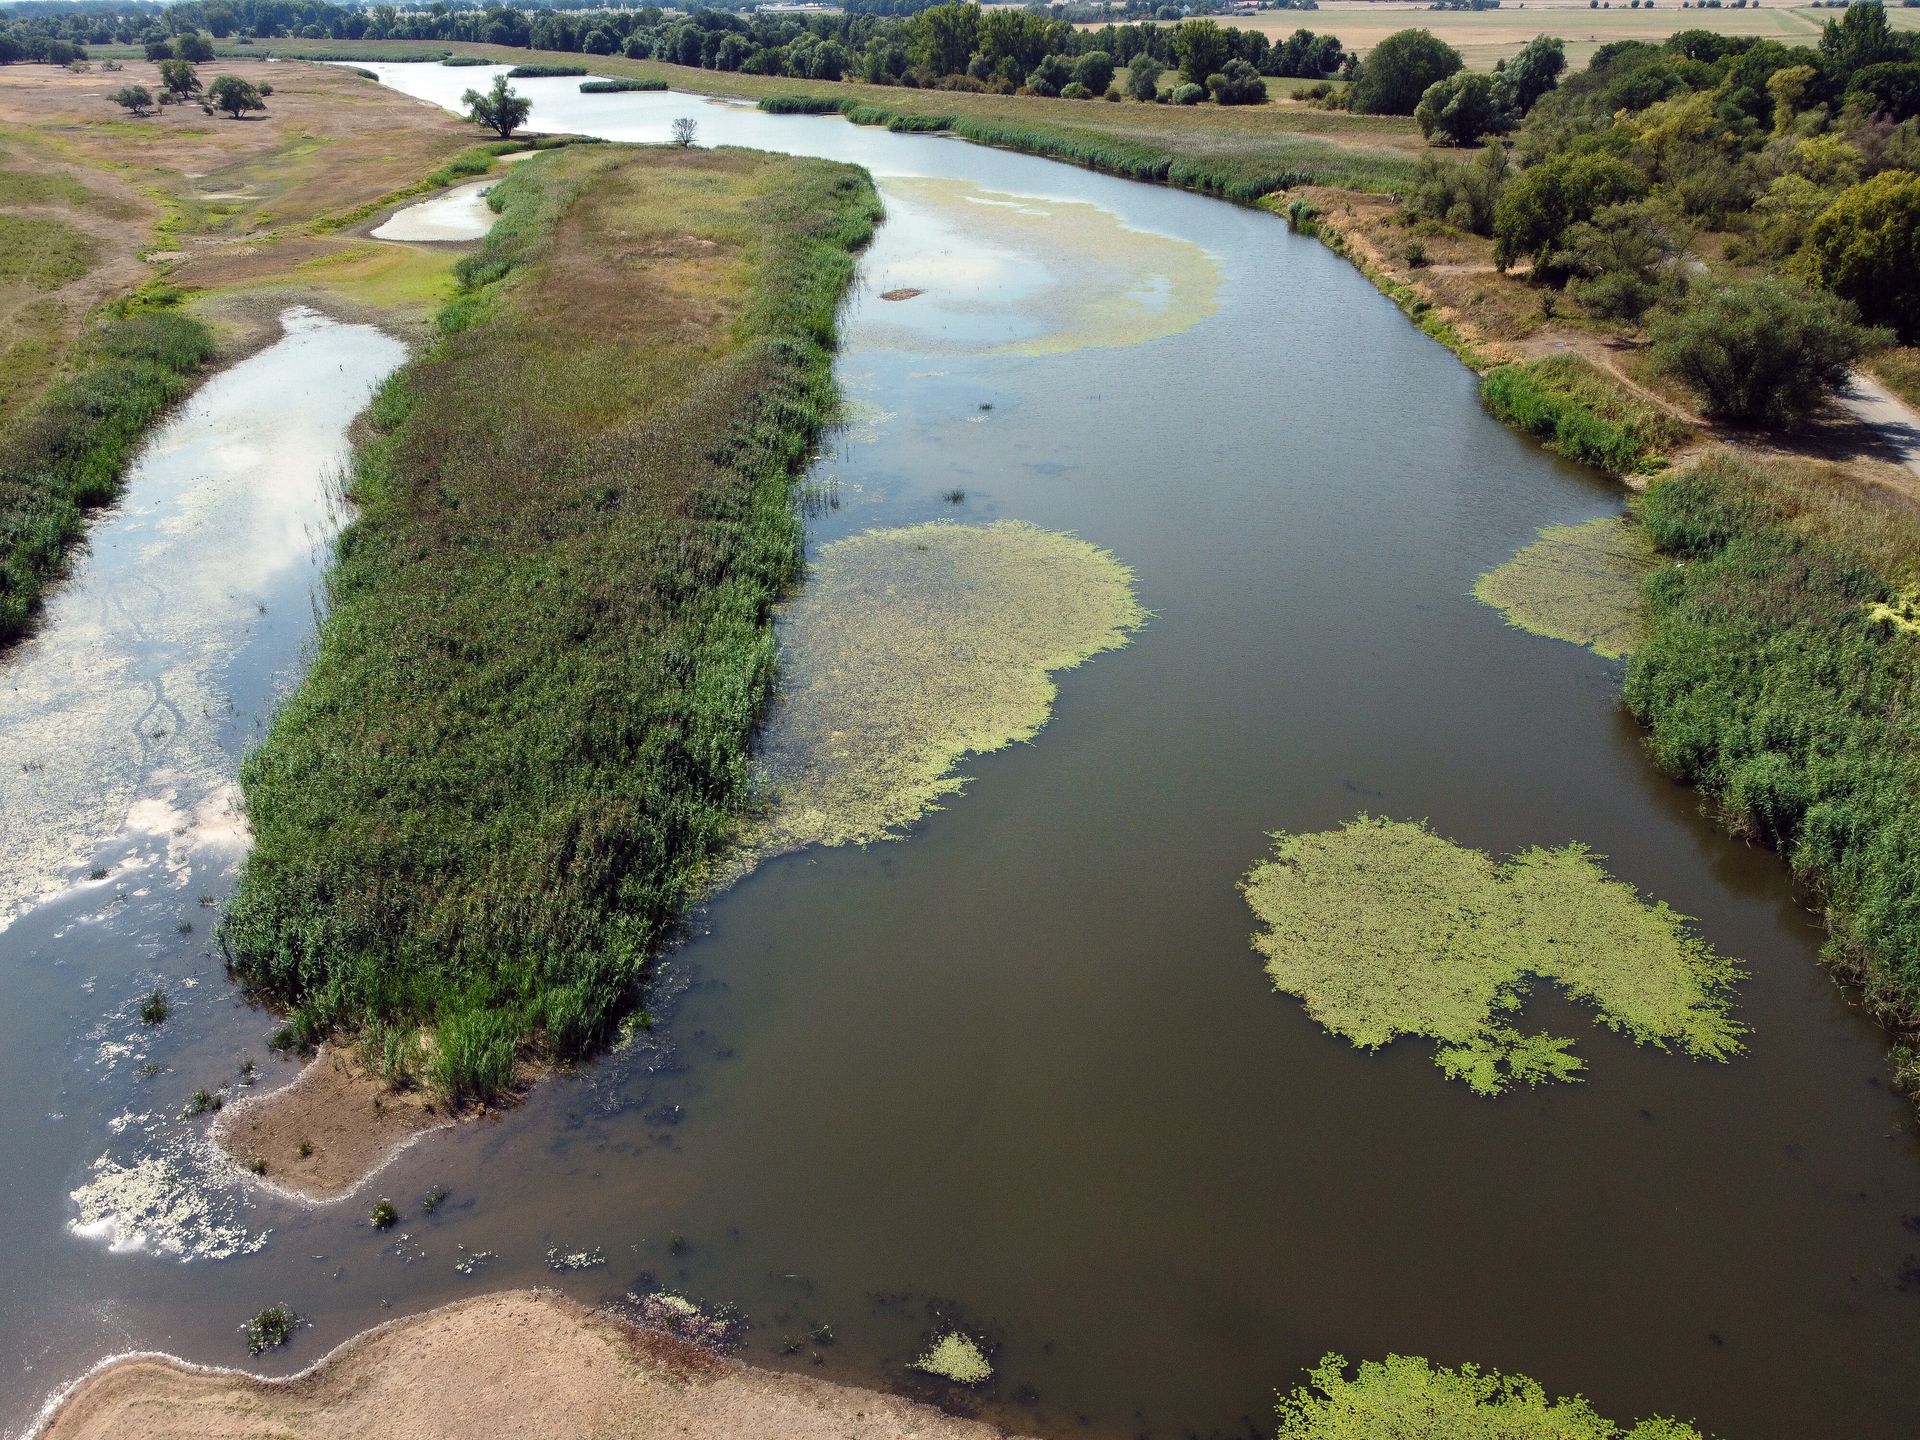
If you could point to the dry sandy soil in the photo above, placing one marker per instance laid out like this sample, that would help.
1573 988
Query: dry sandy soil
523 1365
349 1122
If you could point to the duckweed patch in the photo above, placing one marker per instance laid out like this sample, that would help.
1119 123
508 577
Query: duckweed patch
1017 274
1385 929
1579 583
912 647
958 1358
1404 1395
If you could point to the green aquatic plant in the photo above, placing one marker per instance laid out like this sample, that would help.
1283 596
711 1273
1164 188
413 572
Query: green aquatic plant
1411 1399
956 1357
1580 583
271 1328
384 1215
1385 929
155 1007
910 648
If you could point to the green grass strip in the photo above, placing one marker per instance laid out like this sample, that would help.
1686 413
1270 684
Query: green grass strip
71 451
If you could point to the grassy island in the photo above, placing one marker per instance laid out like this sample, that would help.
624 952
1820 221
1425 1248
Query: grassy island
525 731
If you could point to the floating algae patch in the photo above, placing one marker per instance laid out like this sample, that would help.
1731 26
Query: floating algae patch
1577 582
1384 929
911 648
958 1358
993 273
167 1202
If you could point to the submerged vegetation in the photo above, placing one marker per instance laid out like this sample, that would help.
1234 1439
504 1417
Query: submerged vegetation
879 702
1384 929
1580 583
1410 1399
524 733
1777 676
71 450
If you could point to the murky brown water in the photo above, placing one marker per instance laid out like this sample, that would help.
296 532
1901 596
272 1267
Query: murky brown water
1023 1068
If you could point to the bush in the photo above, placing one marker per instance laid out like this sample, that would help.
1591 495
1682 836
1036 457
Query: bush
1460 109
1237 83
1074 90
1538 206
1143 77
1759 352
1399 71
1188 95
1865 247
1094 70
1462 195
1622 262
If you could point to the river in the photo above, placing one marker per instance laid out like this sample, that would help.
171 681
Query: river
1024 1067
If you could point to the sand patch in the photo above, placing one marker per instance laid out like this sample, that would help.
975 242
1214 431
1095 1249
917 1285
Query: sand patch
1018 274
524 1365
1384 929
1579 583
911 648
342 1113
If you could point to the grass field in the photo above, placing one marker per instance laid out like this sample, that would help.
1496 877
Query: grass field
1484 37
525 730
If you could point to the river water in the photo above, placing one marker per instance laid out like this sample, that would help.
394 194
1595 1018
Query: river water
1024 1068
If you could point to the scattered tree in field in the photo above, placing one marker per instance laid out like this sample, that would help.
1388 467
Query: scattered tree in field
1237 83
1460 109
1522 80
180 78
1052 75
684 130
234 95
1865 247
134 99
1392 79
193 46
499 109
1143 77
1202 48
159 47
1094 70
1760 352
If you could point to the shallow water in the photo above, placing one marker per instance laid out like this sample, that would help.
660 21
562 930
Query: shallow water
1025 1064
461 213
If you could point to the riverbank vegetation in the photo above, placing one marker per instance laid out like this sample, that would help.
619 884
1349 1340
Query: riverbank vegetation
1383 928
1413 1399
1776 673
523 737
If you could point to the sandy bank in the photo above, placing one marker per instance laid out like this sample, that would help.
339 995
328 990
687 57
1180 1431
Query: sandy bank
345 1119
522 1365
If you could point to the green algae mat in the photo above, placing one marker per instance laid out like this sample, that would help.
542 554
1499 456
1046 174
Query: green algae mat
1385 929
1579 583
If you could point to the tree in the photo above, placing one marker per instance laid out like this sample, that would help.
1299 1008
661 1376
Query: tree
1094 70
500 109
192 45
1050 76
1862 37
1143 77
1460 109
180 78
1759 352
1392 79
1865 247
234 95
135 99
1202 48
159 47
1522 80
1622 260
1891 90
1237 83
684 130
944 37
1536 209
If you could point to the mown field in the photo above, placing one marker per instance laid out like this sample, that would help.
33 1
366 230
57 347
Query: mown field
112 227
525 730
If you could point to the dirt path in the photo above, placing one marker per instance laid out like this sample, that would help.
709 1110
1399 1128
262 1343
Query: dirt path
521 1365
1889 417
